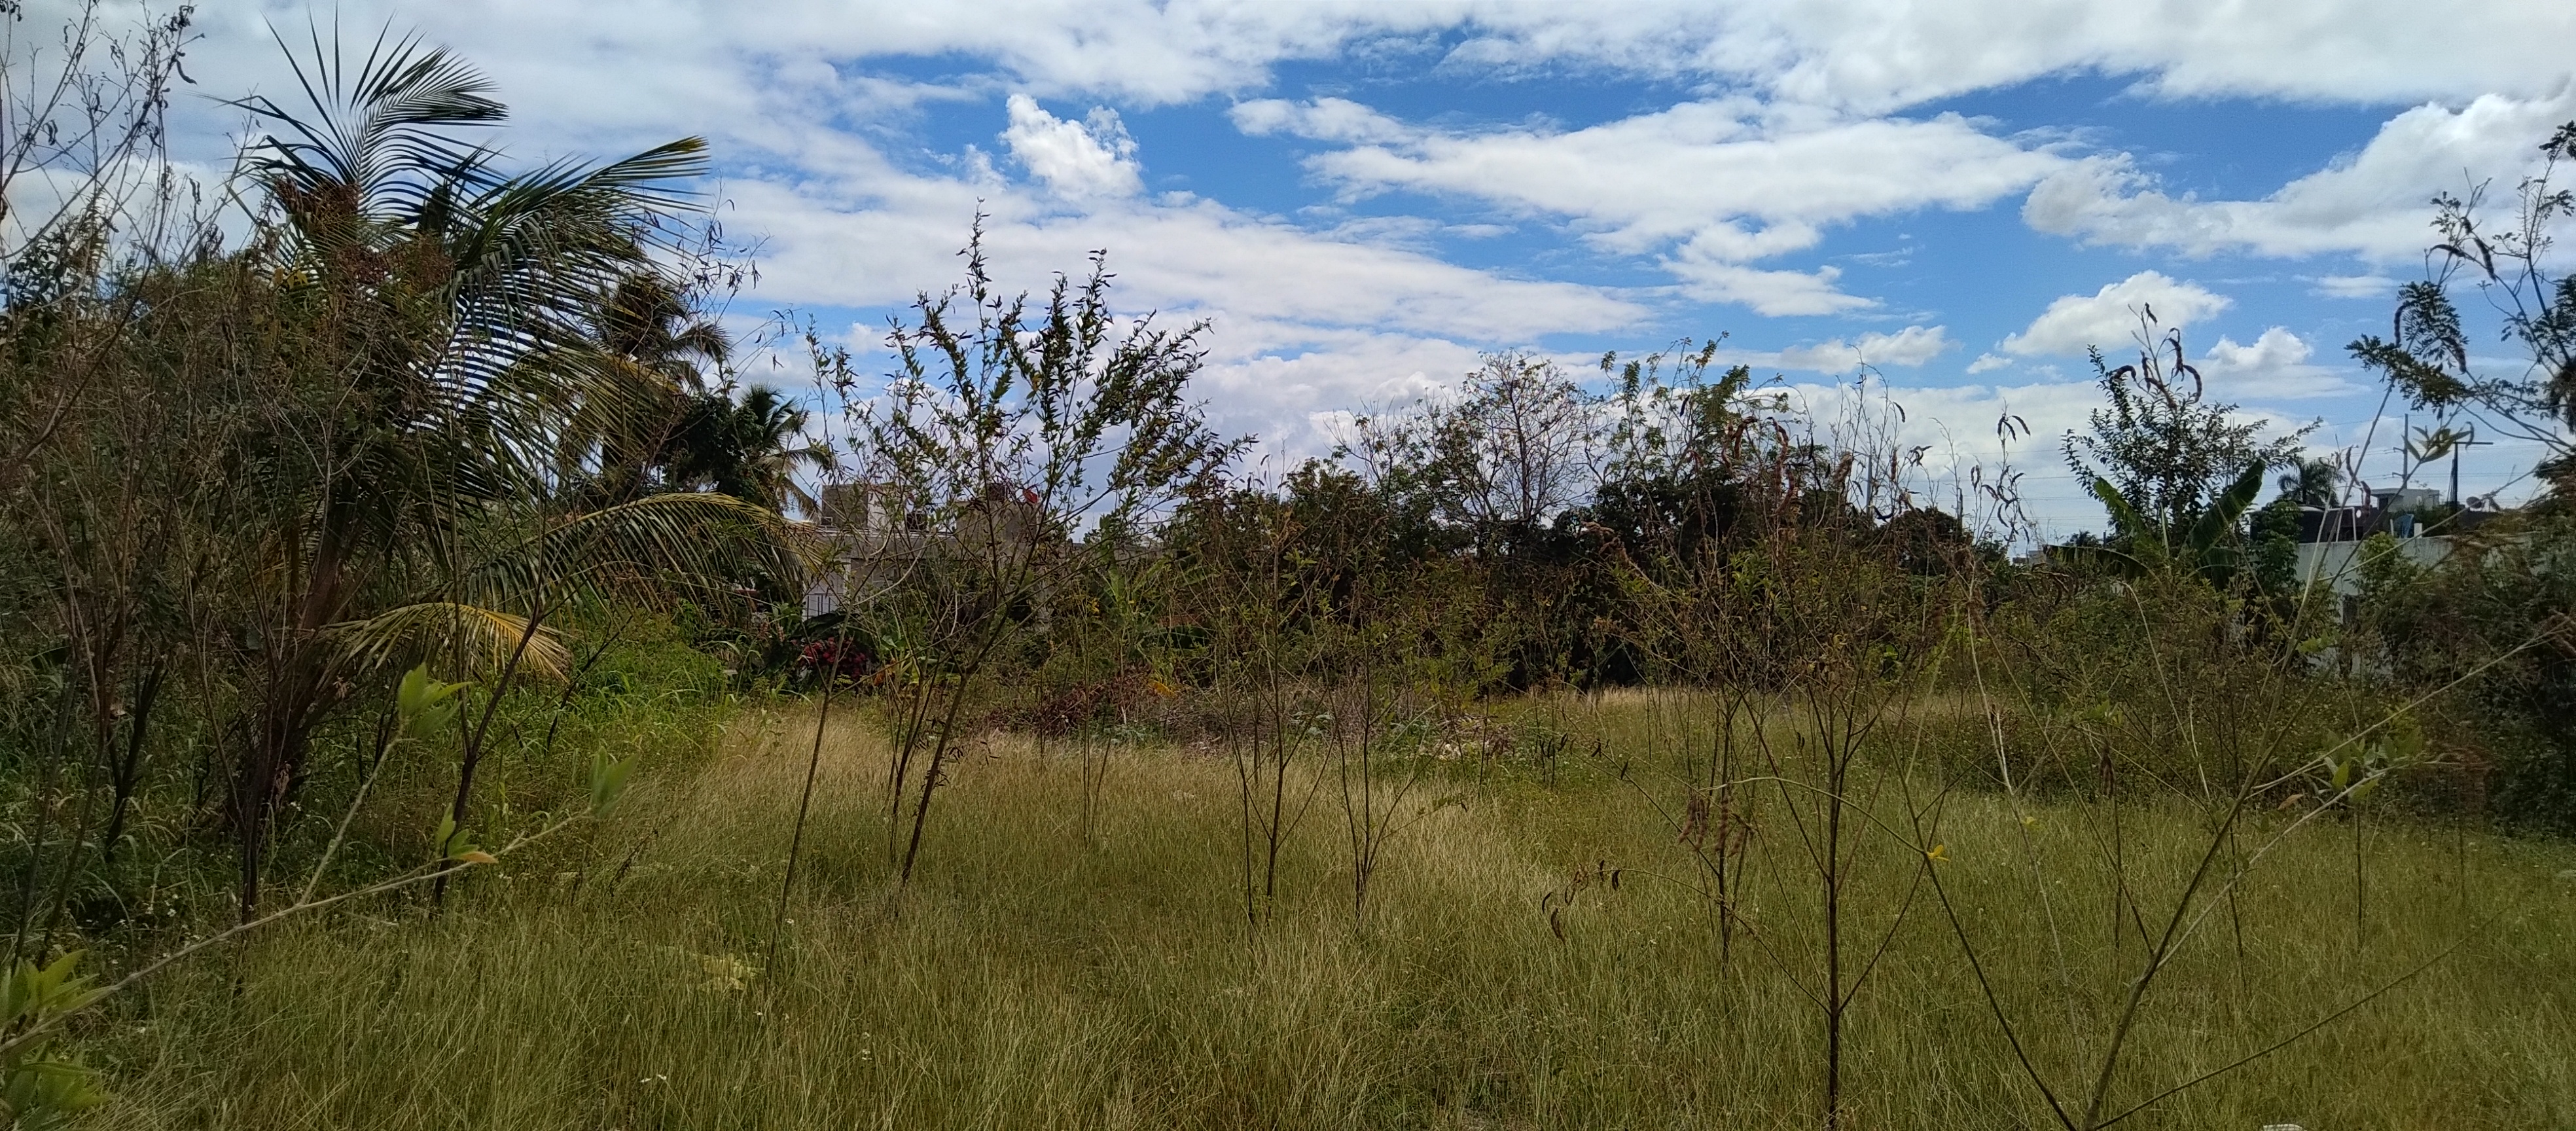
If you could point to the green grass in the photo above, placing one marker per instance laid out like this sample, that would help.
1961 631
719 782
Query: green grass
1032 980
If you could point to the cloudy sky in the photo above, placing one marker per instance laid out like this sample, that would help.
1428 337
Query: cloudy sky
1361 197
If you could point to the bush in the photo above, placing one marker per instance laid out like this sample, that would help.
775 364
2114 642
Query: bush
2486 633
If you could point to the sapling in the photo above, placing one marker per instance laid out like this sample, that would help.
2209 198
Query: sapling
1010 430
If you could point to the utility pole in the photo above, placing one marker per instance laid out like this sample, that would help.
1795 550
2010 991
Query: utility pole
2463 442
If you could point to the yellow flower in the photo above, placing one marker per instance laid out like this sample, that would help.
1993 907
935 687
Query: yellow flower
1940 854
1158 687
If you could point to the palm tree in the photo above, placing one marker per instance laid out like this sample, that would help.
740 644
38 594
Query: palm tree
653 348
2314 482
446 324
751 450
648 321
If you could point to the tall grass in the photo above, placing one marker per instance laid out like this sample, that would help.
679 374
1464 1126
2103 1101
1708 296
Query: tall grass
1034 977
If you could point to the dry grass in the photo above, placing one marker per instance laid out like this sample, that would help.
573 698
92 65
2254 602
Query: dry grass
1033 980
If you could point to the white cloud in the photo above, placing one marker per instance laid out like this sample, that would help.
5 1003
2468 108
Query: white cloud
637 69
2273 365
2371 203
1301 322
1858 53
1731 181
2110 316
1075 159
1963 447
1324 119
1854 53
1772 293
1869 54
1988 362
1908 348
2353 286
877 240
807 123
1705 170
1769 293
1300 401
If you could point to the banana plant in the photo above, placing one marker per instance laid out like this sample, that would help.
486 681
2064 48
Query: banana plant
2206 549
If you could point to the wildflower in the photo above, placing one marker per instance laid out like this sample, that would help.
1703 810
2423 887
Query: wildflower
1940 854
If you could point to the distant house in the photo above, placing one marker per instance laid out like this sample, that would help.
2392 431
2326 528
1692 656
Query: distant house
2331 538
878 535
2338 563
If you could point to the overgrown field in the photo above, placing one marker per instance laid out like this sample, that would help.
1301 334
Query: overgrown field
448 679
1538 951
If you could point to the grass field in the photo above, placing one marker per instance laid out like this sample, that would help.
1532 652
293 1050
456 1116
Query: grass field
1032 979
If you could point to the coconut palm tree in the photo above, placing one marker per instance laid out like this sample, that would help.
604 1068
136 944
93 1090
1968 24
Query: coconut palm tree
445 324
655 350
2316 482
751 450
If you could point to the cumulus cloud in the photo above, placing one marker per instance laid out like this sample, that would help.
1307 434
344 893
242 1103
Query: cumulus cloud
876 241
1908 348
1724 183
1324 119
1963 449
812 107
1988 362
1726 171
643 69
1089 158
1855 53
2371 203
1300 323
2273 365
1874 55
1852 53
1775 293
2108 317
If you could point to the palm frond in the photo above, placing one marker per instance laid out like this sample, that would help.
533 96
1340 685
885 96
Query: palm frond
482 639
375 141
676 540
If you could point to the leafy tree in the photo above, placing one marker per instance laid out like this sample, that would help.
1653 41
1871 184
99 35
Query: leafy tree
1684 450
2314 482
1516 448
2427 356
1011 427
2490 628
2491 631
2161 457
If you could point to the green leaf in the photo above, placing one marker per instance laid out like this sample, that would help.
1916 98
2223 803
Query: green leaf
426 706
607 781
455 843
2220 519
2123 516
38 1093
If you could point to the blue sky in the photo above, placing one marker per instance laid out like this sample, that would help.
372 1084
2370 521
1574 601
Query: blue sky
1361 198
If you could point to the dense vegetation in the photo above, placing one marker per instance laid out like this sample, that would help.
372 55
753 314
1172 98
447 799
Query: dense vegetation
1600 750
